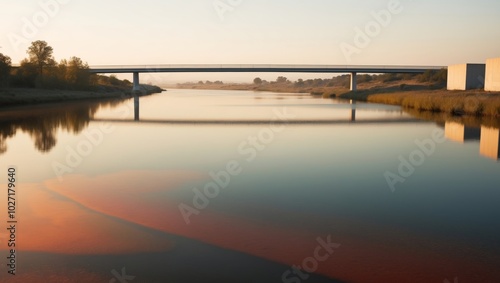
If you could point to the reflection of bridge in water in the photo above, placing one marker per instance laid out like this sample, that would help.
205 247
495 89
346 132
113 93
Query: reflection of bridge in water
349 120
489 138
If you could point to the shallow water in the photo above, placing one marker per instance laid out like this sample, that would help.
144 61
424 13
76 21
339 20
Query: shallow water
234 186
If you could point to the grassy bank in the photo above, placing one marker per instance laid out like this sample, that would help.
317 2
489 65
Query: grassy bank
28 96
278 88
410 94
473 103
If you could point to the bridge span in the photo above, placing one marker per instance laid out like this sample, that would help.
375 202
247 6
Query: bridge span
353 70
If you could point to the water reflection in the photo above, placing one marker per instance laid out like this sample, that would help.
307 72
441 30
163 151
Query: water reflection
350 117
488 137
353 110
469 121
136 108
43 122
468 129
490 142
322 176
460 133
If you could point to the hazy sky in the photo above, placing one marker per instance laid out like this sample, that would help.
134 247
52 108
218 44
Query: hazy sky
151 32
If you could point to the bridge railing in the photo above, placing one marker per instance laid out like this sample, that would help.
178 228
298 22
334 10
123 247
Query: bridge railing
259 66
256 66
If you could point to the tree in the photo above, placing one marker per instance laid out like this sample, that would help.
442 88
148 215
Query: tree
318 82
364 78
113 80
62 69
299 83
5 65
77 72
41 55
257 81
441 76
281 80
25 75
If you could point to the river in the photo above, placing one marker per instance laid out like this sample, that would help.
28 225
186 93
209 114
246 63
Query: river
238 186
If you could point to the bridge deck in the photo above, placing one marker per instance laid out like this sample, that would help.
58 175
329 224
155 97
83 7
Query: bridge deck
261 69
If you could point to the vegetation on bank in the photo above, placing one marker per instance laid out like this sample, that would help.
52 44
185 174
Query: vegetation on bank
28 96
473 103
422 92
335 86
328 87
68 79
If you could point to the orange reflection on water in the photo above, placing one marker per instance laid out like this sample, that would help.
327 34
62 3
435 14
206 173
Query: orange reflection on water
69 275
55 224
136 196
369 252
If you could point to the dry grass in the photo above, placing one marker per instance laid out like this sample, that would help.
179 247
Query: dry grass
410 94
278 88
474 103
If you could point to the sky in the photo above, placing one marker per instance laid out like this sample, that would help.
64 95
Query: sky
326 32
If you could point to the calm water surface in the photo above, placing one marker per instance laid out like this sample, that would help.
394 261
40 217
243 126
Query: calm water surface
228 186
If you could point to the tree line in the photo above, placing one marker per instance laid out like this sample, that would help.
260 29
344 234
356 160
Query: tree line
437 77
40 70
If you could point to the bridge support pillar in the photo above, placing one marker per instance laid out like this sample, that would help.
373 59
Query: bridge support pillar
136 82
354 81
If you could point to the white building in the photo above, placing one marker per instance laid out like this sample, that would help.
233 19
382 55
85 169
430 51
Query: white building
466 76
492 82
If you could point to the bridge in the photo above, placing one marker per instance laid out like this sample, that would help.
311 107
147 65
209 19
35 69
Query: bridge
353 70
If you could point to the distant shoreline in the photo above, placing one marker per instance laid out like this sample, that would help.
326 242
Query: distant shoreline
27 96
408 94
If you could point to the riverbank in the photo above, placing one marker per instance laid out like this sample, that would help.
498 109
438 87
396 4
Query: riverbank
279 88
325 88
409 94
29 96
472 103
